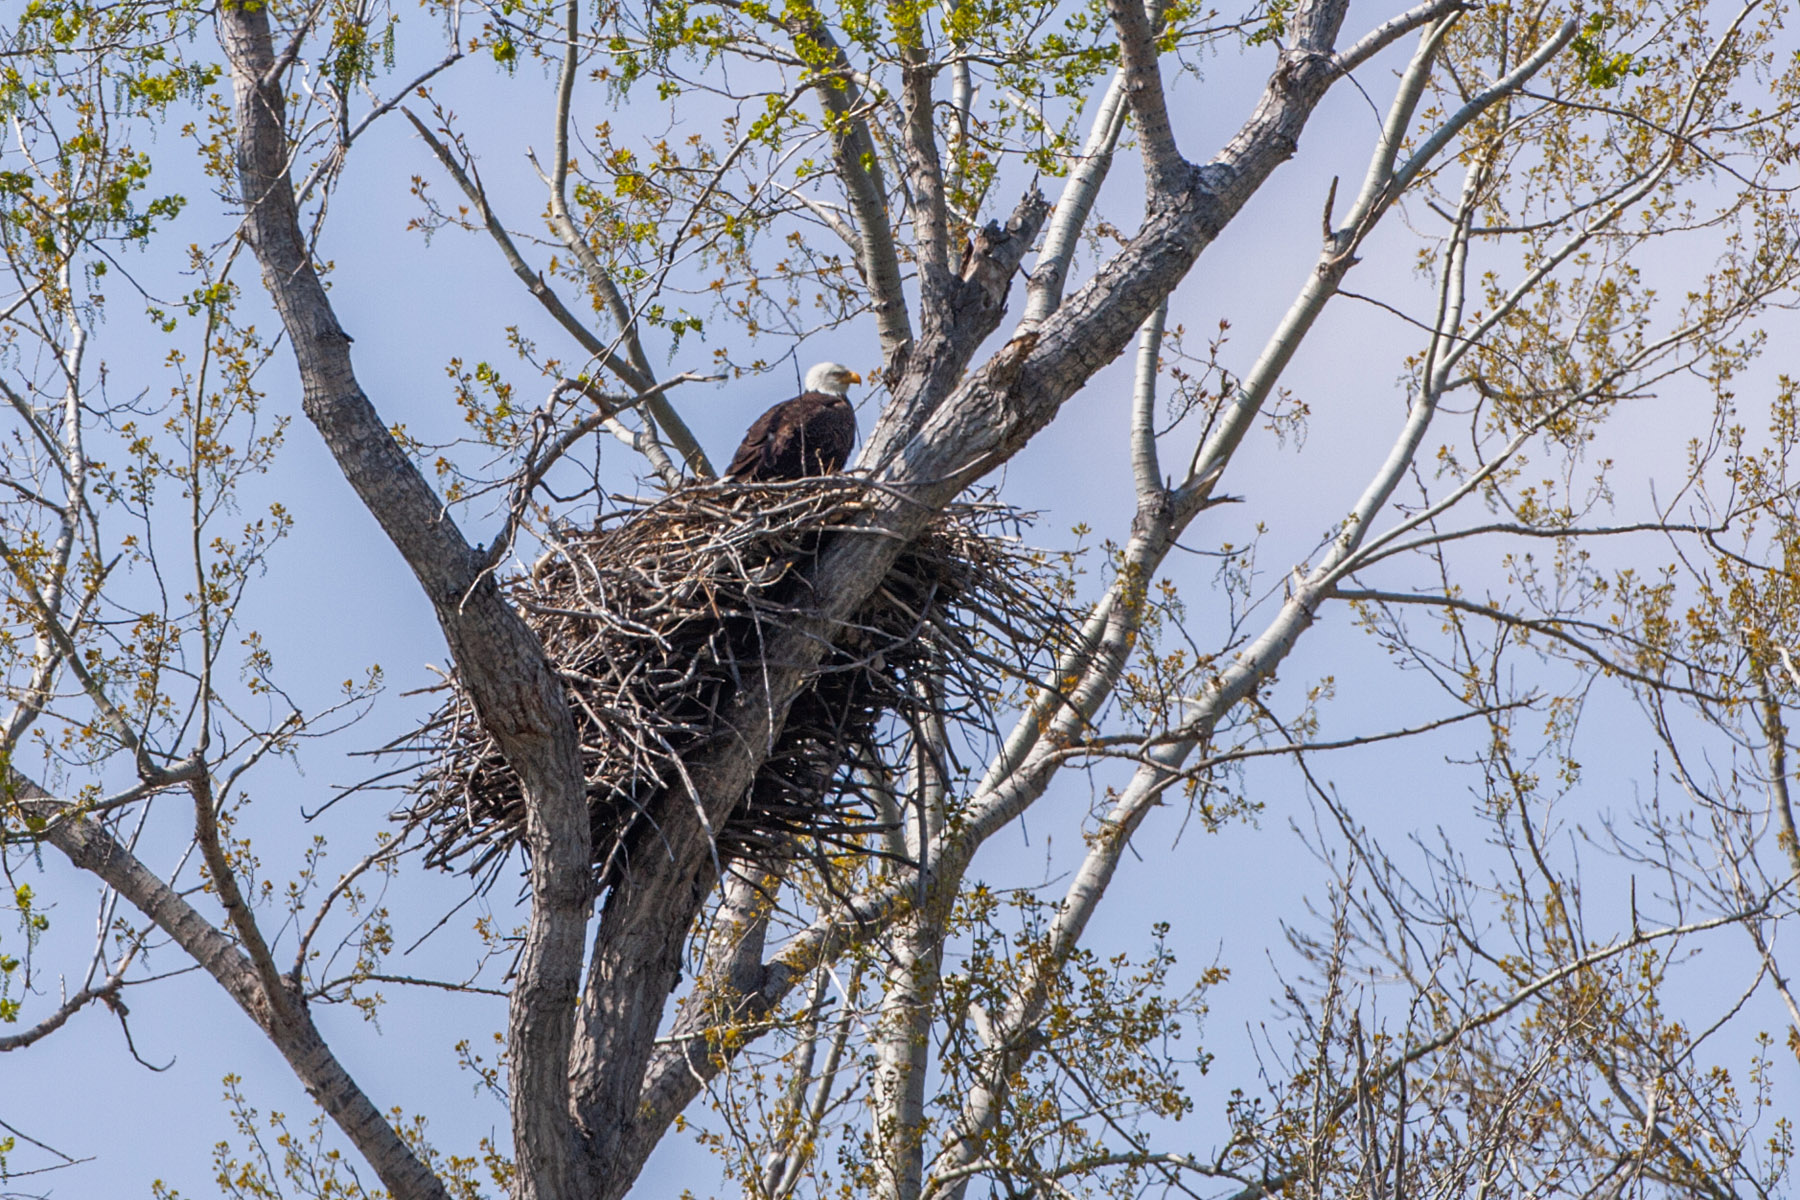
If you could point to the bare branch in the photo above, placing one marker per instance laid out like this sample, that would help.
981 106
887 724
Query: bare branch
90 848
106 992
858 166
534 281
1555 629
1075 204
1165 171
924 169
1144 467
599 278
517 692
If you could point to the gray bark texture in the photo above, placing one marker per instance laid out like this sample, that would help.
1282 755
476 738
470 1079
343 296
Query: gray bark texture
592 1092
501 661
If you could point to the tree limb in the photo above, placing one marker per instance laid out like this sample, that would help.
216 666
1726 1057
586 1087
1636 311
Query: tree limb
858 166
1165 171
1045 291
534 281
518 695
89 847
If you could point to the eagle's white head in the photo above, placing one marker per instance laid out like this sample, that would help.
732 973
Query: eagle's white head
834 379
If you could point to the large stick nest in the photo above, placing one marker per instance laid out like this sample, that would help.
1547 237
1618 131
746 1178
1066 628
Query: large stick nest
658 617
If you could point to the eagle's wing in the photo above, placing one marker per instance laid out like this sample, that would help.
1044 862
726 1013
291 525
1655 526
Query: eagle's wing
808 435
753 453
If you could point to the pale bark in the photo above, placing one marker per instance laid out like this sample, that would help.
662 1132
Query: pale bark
937 442
1076 204
924 171
1146 470
1141 66
593 1088
1162 516
902 1053
800 1138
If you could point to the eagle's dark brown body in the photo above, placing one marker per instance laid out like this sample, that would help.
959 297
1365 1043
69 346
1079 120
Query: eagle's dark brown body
812 434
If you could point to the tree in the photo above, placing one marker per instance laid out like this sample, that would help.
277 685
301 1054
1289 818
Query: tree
1596 205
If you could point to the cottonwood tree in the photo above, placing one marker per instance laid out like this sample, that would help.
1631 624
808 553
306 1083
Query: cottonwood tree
999 199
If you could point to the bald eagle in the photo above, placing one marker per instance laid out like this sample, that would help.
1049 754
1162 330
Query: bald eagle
809 435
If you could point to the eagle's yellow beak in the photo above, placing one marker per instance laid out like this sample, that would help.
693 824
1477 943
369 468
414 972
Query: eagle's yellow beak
853 377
